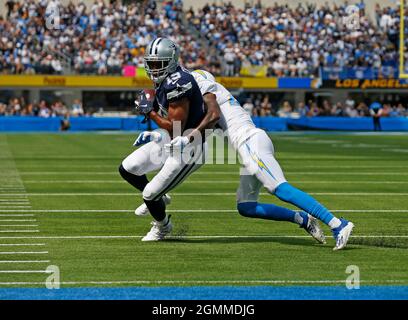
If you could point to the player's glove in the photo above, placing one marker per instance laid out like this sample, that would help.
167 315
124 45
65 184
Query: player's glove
142 103
147 136
178 143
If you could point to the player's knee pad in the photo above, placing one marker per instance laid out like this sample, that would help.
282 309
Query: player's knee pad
286 192
130 166
150 192
247 209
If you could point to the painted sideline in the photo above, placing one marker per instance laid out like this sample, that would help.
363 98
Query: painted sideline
210 293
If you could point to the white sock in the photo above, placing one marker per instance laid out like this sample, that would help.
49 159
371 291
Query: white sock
334 223
298 218
164 221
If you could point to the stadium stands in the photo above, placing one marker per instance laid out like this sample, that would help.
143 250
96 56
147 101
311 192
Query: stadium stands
277 41
100 39
255 104
297 42
305 41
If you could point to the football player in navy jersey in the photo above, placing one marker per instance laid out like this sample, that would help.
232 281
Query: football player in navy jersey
178 148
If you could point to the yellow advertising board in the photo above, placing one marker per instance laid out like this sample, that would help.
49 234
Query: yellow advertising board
73 81
112 82
249 83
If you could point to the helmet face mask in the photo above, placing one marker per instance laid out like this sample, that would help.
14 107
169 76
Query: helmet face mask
157 69
161 59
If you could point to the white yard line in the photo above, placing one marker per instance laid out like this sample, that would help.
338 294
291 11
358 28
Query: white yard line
132 194
197 237
21 244
396 150
15 197
24 271
281 156
18 220
213 182
183 210
15 215
24 261
287 165
18 225
15 207
235 172
18 231
23 252
14 203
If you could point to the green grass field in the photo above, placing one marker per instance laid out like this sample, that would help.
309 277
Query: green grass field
63 203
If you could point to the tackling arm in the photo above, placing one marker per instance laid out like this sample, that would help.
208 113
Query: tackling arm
211 117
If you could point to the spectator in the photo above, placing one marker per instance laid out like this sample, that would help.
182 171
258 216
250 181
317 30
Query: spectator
77 109
285 111
266 107
44 111
302 109
376 111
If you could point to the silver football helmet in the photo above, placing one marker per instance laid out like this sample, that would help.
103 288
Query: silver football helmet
161 59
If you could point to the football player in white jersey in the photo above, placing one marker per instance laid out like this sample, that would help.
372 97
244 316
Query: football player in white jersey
257 153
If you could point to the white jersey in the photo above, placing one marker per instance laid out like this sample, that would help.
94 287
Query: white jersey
234 119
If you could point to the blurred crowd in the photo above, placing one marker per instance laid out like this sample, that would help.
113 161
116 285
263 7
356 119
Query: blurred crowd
103 37
296 42
261 105
100 39
20 107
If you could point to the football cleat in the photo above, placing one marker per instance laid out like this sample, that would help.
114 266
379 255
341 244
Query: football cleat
342 233
311 225
142 210
158 231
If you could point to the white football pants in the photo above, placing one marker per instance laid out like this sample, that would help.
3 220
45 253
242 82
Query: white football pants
261 167
173 169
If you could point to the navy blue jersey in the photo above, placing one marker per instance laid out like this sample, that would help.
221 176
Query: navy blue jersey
177 85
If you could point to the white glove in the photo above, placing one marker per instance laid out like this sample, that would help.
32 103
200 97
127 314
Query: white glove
147 136
178 143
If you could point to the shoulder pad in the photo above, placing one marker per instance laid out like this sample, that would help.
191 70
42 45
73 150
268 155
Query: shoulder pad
179 91
178 84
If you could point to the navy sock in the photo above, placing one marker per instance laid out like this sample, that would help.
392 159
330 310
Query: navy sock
157 209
